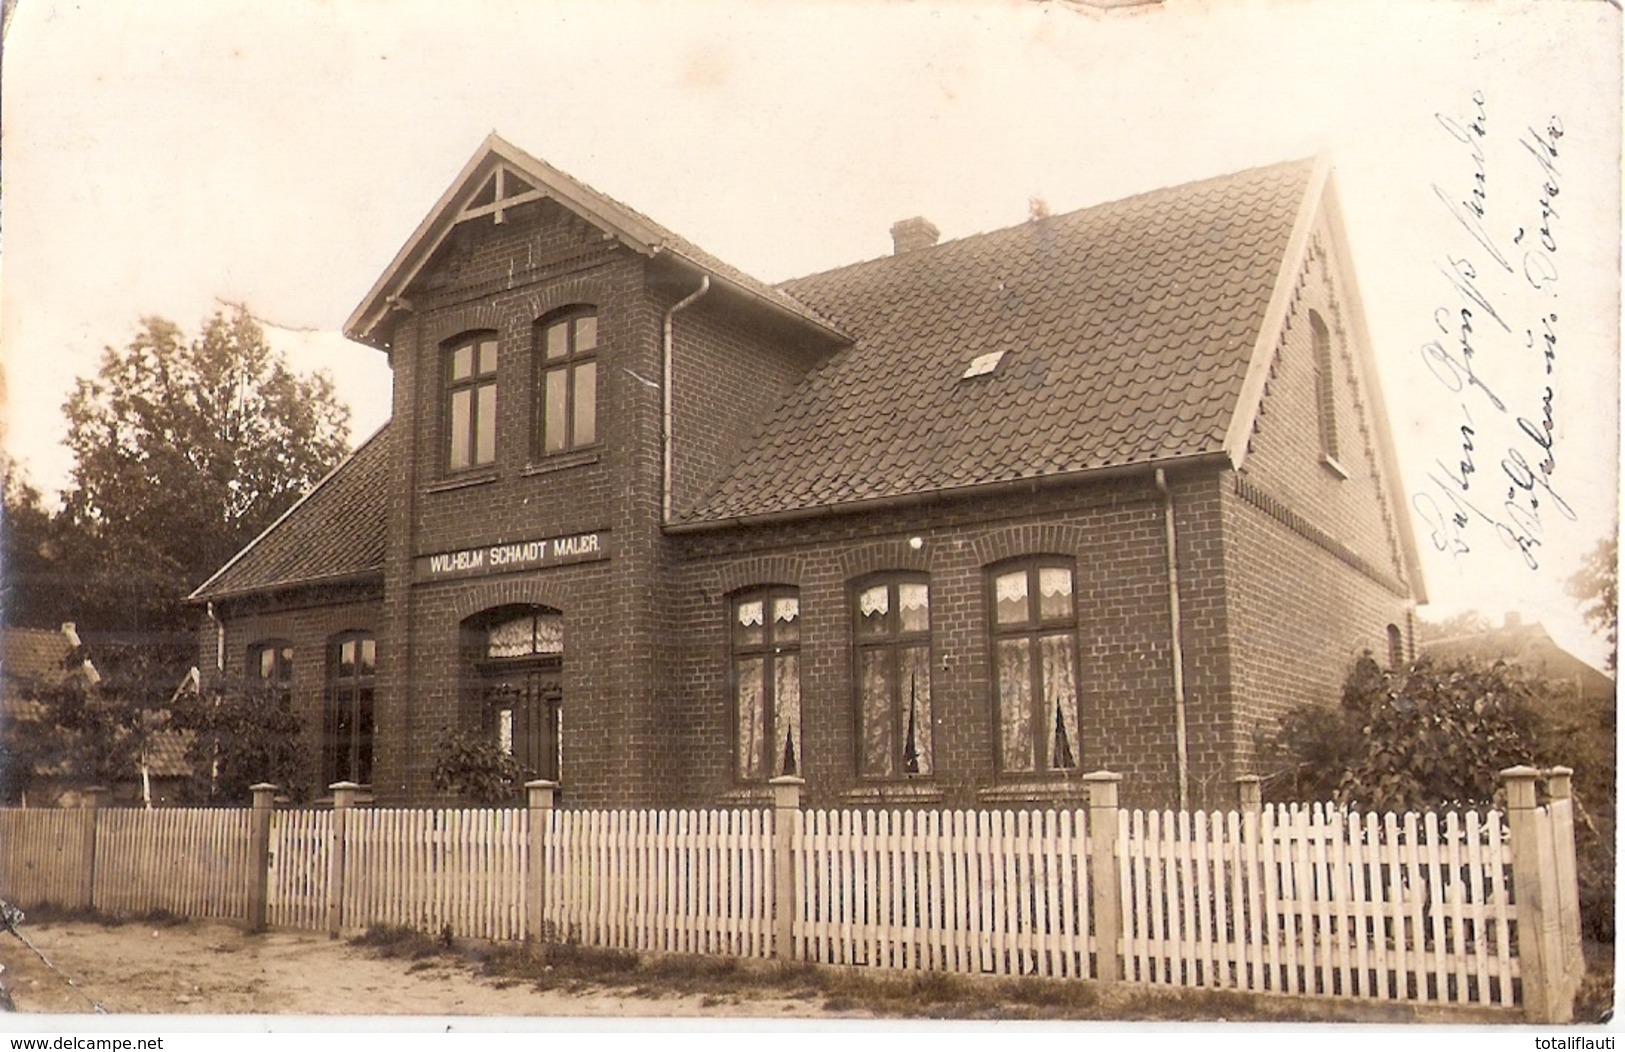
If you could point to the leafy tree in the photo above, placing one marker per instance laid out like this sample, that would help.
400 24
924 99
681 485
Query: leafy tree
1466 623
30 554
184 450
475 768
243 734
1596 585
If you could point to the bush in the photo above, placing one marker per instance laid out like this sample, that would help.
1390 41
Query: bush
1437 735
474 768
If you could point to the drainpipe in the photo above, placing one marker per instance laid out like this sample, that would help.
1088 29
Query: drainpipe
1181 743
665 388
219 641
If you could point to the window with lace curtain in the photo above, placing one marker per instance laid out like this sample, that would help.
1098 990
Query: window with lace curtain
766 643
892 639
1035 665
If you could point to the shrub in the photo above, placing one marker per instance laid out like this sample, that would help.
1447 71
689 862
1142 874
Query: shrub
474 768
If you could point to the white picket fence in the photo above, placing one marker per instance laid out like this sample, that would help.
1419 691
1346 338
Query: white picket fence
670 881
1300 900
1317 901
995 892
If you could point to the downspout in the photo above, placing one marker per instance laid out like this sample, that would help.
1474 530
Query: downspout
219 641
1181 742
665 394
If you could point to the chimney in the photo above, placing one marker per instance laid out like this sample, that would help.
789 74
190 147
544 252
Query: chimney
910 235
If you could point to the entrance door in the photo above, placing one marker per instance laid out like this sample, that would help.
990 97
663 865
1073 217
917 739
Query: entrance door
523 707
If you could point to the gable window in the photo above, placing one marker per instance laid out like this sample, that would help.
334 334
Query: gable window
1035 666
1325 386
891 636
352 672
766 648
471 402
567 381
270 665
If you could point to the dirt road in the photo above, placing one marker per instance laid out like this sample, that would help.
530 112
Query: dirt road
215 969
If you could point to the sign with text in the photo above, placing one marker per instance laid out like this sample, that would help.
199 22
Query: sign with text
512 556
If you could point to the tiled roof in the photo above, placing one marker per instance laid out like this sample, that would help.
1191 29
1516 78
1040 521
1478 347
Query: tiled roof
1127 330
1530 647
335 531
31 655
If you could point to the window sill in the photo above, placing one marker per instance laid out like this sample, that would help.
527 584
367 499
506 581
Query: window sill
1018 792
562 462
901 792
477 478
1331 464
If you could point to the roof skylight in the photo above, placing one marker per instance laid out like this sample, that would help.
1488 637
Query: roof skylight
982 364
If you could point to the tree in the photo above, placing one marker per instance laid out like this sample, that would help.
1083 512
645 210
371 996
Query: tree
243 734
1596 585
184 451
1466 623
30 553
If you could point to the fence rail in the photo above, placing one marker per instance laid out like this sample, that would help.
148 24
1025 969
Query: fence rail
1465 909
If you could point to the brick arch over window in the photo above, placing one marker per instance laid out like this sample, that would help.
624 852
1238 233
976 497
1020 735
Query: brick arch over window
881 556
477 598
574 292
1014 542
457 320
757 571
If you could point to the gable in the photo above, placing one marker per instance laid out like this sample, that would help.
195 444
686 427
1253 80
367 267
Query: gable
1108 338
1311 434
500 178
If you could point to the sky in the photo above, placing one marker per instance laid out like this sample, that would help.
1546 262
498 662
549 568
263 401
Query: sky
167 158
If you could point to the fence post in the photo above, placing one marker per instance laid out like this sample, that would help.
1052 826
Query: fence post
91 803
343 802
1249 794
1103 872
1559 789
539 812
1534 886
786 820
259 852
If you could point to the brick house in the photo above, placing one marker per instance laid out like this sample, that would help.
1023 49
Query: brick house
903 528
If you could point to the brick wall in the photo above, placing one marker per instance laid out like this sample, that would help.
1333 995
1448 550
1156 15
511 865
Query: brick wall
1313 554
1113 532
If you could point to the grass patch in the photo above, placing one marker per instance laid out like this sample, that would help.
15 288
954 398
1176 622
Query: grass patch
400 942
47 913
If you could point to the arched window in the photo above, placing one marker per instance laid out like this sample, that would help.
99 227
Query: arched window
516 659
1325 385
352 674
1035 665
566 381
471 401
891 635
1396 648
766 674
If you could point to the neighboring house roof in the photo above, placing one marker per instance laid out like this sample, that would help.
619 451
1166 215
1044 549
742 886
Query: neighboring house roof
1531 648
1128 329
524 178
31 658
333 533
